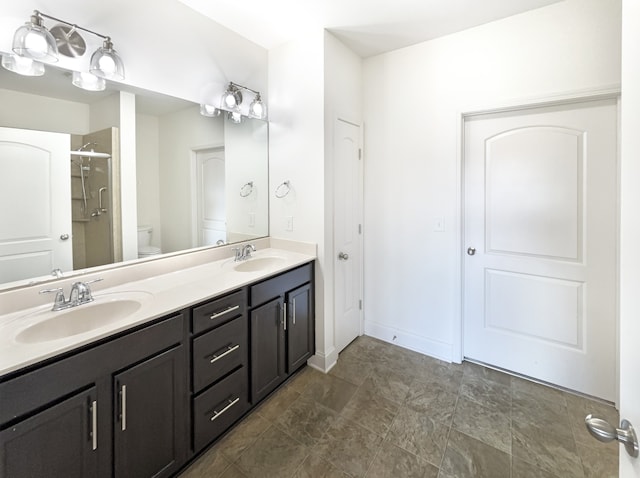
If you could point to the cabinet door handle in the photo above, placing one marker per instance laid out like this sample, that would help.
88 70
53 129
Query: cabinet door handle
284 315
230 404
225 311
94 425
294 311
226 352
123 407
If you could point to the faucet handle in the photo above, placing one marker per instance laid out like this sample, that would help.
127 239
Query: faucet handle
59 300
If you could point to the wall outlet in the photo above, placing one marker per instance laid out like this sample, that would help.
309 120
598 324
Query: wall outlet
252 219
438 224
288 223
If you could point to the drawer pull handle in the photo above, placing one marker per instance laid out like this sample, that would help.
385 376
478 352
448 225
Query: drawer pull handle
94 425
230 404
226 352
225 311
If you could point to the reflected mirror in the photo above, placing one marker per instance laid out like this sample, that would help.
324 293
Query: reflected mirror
199 181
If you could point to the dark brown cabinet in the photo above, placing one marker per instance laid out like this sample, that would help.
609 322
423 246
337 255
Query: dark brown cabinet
58 441
282 328
147 418
219 364
116 409
144 402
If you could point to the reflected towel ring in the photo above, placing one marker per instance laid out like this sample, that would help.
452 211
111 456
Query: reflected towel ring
286 187
246 190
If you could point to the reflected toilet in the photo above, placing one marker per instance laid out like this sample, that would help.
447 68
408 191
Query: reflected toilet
145 249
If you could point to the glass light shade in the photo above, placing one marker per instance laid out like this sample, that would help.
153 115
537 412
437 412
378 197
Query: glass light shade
234 116
231 99
22 65
257 108
209 111
88 81
106 63
34 41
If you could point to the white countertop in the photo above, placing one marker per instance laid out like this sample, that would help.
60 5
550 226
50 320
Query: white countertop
161 295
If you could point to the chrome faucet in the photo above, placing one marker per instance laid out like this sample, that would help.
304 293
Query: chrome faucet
80 294
243 253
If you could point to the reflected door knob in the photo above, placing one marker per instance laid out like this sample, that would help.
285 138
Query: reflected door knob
64 237
471 251
343 256
603 431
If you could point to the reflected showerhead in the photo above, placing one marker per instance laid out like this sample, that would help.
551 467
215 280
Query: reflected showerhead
82 148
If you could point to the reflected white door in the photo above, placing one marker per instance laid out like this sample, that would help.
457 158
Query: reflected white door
540 225
35 216
347 208
630 230
210 197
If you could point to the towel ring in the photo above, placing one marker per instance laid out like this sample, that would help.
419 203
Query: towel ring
246 190
279 189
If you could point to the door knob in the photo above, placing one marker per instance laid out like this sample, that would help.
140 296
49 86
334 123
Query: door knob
471 251
603 431
343 256
64 237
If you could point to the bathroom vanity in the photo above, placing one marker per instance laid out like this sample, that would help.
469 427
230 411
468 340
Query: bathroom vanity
145 396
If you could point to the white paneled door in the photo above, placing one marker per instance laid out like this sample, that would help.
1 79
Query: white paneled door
347 232
35 194
540 238
210 204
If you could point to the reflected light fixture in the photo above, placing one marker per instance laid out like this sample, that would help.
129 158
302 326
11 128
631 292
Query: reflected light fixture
32 41
232 99
22 65
209 111
235 116
88 81
257 109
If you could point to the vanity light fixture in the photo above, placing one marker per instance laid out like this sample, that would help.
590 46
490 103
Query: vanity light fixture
257 109
232 99
22 65
33 41
88 81
209 111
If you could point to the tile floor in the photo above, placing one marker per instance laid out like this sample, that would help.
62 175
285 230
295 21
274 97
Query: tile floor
384 411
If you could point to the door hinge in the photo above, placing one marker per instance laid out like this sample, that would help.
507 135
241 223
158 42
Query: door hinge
359 228
359 153
360 304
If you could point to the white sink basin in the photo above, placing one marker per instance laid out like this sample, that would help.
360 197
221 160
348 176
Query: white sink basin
256 264
104 310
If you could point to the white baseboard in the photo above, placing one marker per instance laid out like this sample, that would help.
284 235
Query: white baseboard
323 362
423 345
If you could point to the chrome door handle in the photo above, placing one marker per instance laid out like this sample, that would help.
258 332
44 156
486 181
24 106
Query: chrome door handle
64 237
343 256
471 251
603 431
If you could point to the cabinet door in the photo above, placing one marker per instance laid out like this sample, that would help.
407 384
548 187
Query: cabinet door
300 333
150 413
267 349
61 441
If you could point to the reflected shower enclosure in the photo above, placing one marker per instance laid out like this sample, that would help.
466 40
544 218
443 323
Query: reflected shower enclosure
92 212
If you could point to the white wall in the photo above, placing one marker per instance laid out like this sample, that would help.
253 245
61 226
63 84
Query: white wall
181 133
148 174
247 159
296 153
412 101
22 110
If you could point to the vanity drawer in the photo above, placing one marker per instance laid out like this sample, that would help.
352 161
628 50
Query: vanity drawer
217 408
272 288
219 351
218 311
